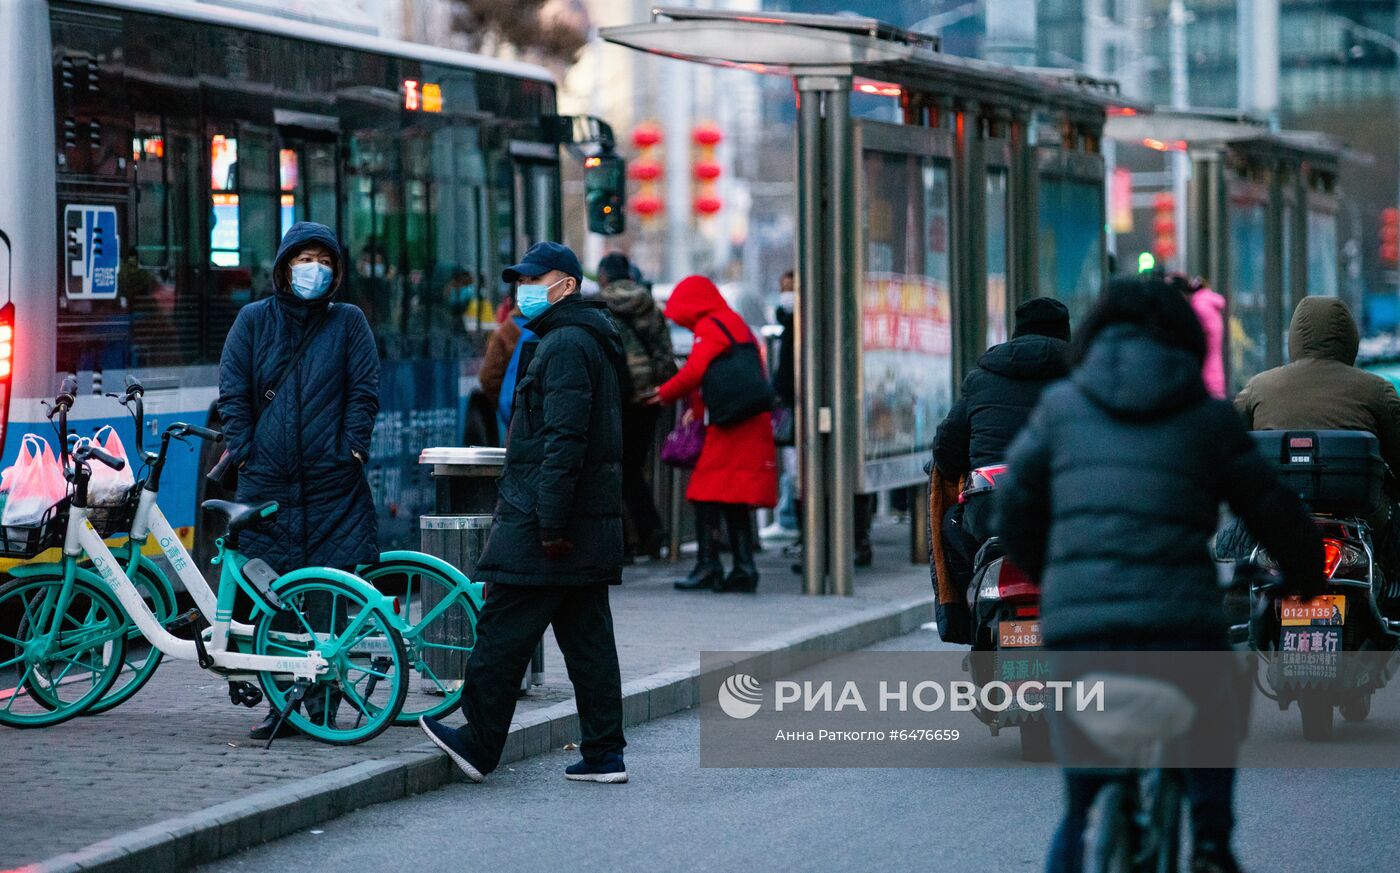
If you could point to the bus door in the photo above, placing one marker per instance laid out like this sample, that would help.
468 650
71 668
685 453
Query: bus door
307 170
536 194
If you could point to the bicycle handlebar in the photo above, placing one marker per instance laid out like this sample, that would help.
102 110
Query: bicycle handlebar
134 388
67 394
84 452
179 429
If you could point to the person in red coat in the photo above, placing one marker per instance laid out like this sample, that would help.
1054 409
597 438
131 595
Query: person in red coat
738 467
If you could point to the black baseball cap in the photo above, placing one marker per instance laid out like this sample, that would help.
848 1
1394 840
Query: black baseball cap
543 257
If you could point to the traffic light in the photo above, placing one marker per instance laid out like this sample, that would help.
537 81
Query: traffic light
605 192
1390 236
1146 263
1164 226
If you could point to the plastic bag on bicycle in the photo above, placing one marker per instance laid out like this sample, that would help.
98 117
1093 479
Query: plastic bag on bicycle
109 487
34 484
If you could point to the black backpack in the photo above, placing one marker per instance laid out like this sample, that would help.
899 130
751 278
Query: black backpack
734 388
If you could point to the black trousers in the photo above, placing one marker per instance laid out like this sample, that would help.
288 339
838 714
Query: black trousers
638 440
511 623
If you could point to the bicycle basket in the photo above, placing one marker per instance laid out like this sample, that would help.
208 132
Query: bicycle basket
110 521
29 540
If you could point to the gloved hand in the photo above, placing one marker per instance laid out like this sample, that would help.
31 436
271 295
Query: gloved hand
554 545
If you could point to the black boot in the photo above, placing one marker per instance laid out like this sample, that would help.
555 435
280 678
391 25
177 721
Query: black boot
708 572
263 730
316 708
744 577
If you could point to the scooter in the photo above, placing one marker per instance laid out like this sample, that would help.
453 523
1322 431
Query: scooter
1330 652
1005 605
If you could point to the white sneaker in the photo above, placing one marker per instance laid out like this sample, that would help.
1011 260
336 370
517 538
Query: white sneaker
776 531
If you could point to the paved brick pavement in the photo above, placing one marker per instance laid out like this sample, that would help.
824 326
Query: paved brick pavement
180 745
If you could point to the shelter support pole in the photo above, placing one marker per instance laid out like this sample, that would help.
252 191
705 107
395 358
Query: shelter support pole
843 390
811 303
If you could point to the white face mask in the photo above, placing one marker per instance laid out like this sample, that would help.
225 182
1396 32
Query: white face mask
311 280
787 299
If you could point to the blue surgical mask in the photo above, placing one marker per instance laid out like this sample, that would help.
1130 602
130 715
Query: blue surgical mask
533 300
311 280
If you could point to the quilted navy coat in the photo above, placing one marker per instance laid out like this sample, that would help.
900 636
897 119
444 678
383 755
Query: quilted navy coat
301 451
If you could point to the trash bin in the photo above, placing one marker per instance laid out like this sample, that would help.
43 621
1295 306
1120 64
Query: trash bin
466 483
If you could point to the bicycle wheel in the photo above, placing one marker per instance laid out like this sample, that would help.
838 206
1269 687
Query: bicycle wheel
441 635
1108 835
75 668
142 659
364 689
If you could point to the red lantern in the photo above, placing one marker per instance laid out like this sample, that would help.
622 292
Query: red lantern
644 170
707 170
646 205
646 135
707 135
708 205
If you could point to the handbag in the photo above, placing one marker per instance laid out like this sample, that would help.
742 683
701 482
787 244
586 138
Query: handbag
784 426
224 473
734 387
683 444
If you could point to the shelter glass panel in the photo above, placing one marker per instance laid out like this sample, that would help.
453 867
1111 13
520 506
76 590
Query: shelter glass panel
1071 243
1248 342
997 178
906 324
1322 253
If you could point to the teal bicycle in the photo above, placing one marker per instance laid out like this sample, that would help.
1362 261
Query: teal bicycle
436 604
324 647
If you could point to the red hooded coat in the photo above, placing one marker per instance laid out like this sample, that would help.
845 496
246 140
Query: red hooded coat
739 463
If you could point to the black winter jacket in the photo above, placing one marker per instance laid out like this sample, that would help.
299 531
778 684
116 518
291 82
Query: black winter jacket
1114 490
563 473
996 401
301 450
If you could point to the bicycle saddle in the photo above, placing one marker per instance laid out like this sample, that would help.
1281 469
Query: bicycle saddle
241 515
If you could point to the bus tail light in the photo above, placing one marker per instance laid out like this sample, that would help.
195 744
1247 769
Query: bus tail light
7 366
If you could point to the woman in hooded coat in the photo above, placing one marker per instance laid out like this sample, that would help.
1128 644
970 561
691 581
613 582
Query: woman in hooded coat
307 447
738 467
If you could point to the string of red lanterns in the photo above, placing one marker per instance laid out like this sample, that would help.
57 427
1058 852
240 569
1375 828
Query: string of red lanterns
706 169
646 169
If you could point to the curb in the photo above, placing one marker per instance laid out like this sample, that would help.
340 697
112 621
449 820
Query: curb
220 830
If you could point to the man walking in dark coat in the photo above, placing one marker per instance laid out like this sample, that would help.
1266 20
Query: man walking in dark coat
996 401
556 542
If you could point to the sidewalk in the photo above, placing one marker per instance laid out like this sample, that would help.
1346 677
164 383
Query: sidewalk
171 778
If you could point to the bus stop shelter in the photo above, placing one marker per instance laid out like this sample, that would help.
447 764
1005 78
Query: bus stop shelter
1261 220
915 239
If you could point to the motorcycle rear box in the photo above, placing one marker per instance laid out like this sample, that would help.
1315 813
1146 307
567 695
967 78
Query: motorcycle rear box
1336 472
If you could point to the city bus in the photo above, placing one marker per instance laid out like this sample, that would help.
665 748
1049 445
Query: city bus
155 152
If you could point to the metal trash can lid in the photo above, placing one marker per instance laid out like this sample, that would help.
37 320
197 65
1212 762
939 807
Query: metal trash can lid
468 456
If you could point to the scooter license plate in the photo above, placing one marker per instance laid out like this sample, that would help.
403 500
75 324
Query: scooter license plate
1324 610
1018 634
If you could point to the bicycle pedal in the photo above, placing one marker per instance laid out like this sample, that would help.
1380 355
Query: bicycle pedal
180 622
244 694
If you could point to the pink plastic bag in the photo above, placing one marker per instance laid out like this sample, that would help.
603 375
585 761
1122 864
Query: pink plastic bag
35 483
109 487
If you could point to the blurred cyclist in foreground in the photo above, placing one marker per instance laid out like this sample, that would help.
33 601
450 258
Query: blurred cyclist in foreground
1112 494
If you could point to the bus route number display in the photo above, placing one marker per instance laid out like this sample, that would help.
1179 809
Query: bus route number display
92 251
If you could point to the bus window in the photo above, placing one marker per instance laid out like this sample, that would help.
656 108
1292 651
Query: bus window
223 187
288 184
151 241
375 215
257 197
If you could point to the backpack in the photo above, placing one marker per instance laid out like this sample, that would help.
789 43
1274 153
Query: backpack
734 387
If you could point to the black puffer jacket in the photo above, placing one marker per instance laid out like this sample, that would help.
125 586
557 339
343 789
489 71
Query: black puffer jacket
301 451
997 399
1114 490
563 471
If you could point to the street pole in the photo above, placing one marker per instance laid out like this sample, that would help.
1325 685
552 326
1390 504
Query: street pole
842 393
1181 99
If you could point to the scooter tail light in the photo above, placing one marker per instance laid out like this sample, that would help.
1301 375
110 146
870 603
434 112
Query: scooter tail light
1014 584
1332 551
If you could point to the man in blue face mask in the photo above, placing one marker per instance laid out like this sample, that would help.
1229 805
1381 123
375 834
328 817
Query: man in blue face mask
556 541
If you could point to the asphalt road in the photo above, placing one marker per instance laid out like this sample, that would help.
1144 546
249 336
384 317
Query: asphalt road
674 815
